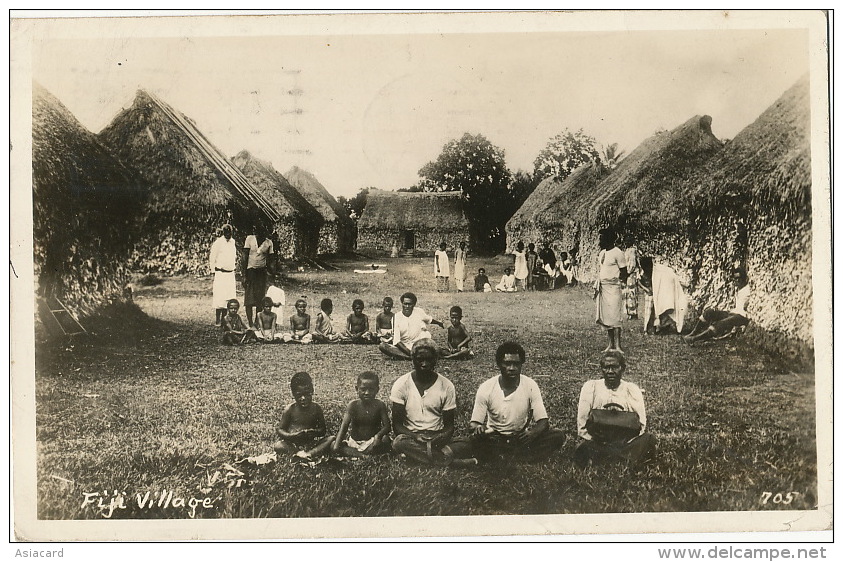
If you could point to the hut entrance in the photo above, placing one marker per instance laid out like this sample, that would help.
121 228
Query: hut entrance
409 240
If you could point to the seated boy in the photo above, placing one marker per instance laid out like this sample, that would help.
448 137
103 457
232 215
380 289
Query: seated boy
299 324
507 284
233 329
365 425
301 430
357 325
458 338
265 323
481 282
324 331
384 321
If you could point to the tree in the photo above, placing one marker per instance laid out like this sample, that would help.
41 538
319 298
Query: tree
564 153
610 155
476 167
523 185
354 206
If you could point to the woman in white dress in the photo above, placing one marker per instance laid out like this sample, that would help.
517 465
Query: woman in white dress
521 271
459 267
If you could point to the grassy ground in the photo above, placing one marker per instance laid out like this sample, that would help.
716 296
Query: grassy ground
155 404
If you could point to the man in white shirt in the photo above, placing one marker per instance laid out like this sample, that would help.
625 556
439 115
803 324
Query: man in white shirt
719 324
503 409
507 284
222 262
612 393
424 404
409 326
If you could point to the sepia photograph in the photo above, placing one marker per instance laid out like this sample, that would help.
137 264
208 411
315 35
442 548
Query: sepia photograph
377 275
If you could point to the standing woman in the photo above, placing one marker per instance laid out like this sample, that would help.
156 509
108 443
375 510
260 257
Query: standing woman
532 259
222 263
633 266
441 268
459 267
256 252
520 267
608 289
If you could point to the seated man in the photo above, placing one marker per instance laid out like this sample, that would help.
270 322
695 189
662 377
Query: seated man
481 282
502 413
507 284
718 324
606 439
424 404
410 325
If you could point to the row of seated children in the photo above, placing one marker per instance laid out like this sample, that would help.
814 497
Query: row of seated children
266 327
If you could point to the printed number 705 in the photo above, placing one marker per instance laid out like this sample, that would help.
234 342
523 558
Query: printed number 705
784 499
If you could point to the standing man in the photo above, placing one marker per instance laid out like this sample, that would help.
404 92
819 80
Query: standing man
222 263
256 251
503 409
441 268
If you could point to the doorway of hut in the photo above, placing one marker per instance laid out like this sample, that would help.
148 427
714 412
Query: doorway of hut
409 240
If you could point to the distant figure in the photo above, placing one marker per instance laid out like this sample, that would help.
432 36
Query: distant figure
459 267
507 284
611 419
410 325
665 303
532 260
547 258
357 325
365 425
458 337
266 324
233 329
222 262
299 325
302 429
384 321
324 332
608 287
394 251
441 268
256 252
521 272
718 324
276 293
633 268
481 282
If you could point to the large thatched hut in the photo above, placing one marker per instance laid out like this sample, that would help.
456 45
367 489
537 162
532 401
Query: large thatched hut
544 217
416 222
751 206
84 209
193 187
337 232
297 229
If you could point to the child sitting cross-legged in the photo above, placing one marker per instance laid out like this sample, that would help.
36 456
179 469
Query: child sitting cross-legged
384 321
233 329
302 431
458 338
299 324
324 331
365 425
357 326
265 323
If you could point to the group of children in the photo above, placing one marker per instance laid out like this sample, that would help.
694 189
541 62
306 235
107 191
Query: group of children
267 330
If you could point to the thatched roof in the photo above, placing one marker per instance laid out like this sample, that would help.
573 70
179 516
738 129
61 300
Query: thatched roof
402 210
316 194
647 188
184 170
550 202
284 198
769 161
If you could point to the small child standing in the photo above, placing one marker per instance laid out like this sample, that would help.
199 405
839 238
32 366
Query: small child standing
357 325
265 323
324 331
301 430
384 321
458 338
365 425
233 329
299 324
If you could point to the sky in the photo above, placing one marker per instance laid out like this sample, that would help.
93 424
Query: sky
370 109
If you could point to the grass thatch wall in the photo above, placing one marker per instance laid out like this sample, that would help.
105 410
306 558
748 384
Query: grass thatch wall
193 188
85 204
433 217
337 231
297 232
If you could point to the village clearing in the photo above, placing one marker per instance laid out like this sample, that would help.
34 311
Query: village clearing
155 404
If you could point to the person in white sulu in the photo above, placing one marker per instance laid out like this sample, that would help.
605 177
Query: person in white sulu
222 262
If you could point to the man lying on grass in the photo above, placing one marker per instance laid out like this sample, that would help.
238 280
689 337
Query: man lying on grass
501 415
302 427
424 404
365 425
611 418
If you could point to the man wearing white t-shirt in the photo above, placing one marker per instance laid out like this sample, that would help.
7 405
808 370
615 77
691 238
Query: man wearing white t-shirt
424 404
504 408
409 326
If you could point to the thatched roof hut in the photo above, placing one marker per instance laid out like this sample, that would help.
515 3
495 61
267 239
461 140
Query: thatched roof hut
545 218
297 230
193 187
751 205
337 232
411 221
84 209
